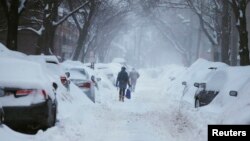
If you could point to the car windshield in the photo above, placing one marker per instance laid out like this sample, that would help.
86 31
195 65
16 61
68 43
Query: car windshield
51 62
54 68
82 71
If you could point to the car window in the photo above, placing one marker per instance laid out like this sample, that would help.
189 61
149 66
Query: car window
54 68
76 74
82 71
51 62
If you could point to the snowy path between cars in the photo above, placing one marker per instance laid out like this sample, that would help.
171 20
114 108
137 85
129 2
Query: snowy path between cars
148 115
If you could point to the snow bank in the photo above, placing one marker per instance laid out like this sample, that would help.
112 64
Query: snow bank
5 52
217 76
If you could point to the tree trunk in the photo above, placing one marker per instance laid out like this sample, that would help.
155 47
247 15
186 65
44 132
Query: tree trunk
13 18
46 40
80 41
244 52
83 34
225 33
233 44
239 8
198 50
216 53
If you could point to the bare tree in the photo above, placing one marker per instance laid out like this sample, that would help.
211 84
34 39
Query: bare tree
88 14
209 13
41 17
51 22
226 30
12 10
239 9
107 23
50 14
152 9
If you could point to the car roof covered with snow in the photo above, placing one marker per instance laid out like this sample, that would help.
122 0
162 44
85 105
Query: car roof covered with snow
74 65
18 73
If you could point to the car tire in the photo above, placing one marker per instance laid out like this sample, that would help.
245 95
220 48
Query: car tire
1 116
54 113
197 103
50 121
54 118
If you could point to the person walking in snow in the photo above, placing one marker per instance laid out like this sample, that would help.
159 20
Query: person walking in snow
122 81
133 76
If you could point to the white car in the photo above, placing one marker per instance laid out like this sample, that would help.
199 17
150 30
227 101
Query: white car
107 71
56 71
82 76
28 96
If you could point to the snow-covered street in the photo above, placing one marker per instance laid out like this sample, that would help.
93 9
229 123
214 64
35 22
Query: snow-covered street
160 109
146 116
67 68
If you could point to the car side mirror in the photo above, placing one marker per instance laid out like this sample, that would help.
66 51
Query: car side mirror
184 83
212 68
67 74
55 86
233 93
196 84
93 78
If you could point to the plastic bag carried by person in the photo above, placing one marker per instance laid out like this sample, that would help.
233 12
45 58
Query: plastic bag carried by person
128 94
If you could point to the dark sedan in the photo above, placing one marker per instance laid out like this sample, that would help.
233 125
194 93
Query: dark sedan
28 96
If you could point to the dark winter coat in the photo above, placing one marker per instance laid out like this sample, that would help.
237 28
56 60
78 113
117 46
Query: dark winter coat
122 79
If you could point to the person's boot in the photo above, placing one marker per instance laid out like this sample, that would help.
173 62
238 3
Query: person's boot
120 98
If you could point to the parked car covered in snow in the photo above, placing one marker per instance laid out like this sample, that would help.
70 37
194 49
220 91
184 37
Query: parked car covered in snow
28 96
107 71
52 64
82 76
203 96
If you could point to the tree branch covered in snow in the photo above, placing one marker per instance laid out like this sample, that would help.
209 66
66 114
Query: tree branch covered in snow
69 14
208 19
173 4
74 16
159 24
21 6
38 32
